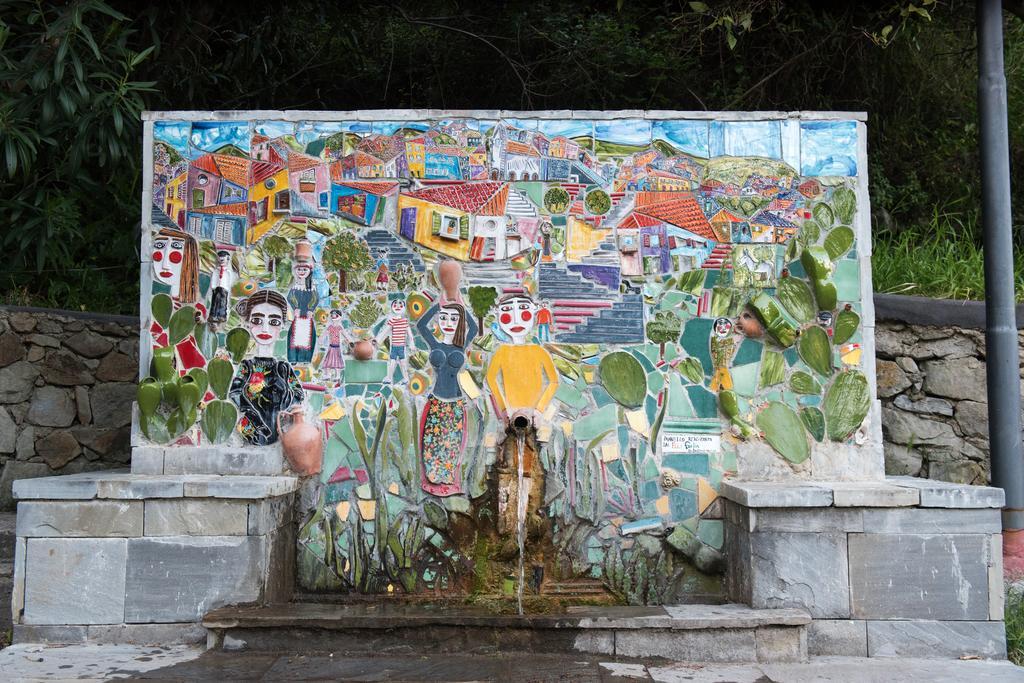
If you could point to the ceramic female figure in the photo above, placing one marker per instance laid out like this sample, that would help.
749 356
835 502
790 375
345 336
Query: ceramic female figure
263 385
333 364
443 425
175 261
221 280
303 298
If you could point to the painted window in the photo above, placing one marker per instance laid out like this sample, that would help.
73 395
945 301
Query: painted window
195 225
198 199
324 200
222 231
282 201
407 227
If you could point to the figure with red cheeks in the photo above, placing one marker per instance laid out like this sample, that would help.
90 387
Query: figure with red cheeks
263 385
521 375
176 264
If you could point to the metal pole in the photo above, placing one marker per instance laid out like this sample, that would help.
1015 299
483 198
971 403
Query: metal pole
1003 372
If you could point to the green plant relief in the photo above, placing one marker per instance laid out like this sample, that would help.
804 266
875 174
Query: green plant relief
237 343
220 371
219 418
816 350
846 325
183 321
838 242
802 383
773 369
623 378
846 404
794 294
814 420
784 431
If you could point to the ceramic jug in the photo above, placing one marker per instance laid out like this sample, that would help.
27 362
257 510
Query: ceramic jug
301 442
363 349
450 273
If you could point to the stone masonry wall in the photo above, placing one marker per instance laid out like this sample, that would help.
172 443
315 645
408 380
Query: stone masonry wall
931 381
67 382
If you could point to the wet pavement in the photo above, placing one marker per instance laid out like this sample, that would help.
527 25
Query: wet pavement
183 663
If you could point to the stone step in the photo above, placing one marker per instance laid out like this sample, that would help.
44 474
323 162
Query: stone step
118 485
694 633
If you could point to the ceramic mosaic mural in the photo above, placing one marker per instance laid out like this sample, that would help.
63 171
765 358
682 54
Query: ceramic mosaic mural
531 345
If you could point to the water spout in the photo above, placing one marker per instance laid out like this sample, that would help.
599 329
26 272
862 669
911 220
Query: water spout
520 424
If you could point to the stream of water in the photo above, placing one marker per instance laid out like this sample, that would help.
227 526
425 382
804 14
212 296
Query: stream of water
521 503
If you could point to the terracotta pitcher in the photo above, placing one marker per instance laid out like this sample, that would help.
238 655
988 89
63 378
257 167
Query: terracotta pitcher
363 349
450 274
301 442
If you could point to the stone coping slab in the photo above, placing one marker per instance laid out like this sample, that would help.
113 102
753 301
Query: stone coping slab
385 616
126 486
890 492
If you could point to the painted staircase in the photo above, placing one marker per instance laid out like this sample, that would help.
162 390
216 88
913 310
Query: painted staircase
719 256
399 251
585 311
519 205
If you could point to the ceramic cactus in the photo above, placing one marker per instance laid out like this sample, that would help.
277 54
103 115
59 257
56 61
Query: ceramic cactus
846 325
784 431
183 322
220 371
148 396
795 296
162 364
238 343
838 242
814 421
818 265
624 378
846 404
802 383
776 321
816 350
218 421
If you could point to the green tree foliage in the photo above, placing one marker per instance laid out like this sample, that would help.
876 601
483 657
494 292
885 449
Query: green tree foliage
365 313
69 134
481 300
346 253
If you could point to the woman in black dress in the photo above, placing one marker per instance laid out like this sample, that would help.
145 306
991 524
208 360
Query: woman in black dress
263 385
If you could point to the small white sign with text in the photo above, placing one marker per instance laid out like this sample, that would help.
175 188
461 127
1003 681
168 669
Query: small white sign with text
690 443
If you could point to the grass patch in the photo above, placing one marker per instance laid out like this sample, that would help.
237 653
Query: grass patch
1014 615
942 259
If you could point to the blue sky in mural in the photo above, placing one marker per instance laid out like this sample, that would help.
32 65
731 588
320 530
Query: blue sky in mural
174 133
209 136
828 148
570 128
307 131
624 131
389 127
746 139
274 129
687 136
525 124
791 143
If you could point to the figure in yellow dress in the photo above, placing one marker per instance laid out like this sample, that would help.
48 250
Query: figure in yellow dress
722 347
521 375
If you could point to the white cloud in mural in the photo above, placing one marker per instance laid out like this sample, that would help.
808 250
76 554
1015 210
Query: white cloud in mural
828 148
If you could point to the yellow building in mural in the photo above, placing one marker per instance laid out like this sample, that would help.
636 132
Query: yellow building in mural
174 198
437 227
269 198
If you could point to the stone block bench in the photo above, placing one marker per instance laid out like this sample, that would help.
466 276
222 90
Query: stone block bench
129 557
901 567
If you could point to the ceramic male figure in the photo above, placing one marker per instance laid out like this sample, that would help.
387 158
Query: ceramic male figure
521 375
263 385
396 329
221 281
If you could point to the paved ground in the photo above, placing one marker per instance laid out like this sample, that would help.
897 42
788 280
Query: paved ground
106 662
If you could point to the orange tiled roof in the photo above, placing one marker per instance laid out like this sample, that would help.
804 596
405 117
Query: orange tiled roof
234 169
484 198
239 209
301 162
676 208
373 187
520 148
261 170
